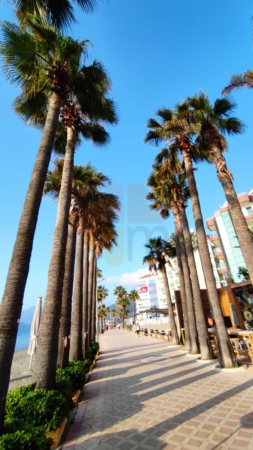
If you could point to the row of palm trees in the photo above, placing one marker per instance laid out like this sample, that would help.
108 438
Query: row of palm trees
194 131
122 303
69 101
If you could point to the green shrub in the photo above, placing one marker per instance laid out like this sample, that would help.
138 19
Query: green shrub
95 347
28 439
89 355
30 407
74 373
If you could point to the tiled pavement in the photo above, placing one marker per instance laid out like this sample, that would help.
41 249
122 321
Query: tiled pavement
145 394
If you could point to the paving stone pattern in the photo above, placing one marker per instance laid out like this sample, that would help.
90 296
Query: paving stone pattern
146 394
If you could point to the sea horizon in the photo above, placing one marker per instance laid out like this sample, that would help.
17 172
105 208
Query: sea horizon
22 341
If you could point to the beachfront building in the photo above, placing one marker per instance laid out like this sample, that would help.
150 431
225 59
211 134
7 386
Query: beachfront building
152 293
224 243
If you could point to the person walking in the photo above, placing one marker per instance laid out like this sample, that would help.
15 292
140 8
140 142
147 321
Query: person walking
138 329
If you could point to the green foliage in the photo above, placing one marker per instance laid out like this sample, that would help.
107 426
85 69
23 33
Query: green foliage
243 273
28 439
30 407
31 412
74 374
95 347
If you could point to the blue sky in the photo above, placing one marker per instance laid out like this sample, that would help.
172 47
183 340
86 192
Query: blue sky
157 53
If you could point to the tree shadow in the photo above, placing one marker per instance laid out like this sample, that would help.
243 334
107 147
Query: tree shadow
113 403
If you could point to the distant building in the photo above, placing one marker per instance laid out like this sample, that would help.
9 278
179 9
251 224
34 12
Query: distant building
225 246
151 290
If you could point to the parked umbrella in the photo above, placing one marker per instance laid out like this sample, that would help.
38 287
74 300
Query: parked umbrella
34 333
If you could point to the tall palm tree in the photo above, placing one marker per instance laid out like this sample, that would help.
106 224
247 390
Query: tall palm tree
161 202
156 260
215 121
51 61
134 296
122 303
102 313
114 314
178 191
85 180
176 129
44 366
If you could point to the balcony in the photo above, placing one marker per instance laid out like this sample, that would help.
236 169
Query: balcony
215 239
210 223
249 217
219 254
222 270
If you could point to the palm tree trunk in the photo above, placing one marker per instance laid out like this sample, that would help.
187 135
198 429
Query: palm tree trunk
65 322
188 288
226 353
182 291
85 287
94 302
90 284
46 357
173 326
204 341
243 233
11 305
75 353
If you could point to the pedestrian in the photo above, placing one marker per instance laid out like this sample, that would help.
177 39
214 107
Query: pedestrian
119 326
138 329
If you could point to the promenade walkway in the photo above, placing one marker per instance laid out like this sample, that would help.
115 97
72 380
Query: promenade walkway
146 394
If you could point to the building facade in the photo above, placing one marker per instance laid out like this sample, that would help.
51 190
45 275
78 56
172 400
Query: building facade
225 246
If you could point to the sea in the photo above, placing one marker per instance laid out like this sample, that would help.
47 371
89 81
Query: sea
22 340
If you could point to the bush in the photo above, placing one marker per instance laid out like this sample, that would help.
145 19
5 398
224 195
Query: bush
95 347
26 439
26 406
74 374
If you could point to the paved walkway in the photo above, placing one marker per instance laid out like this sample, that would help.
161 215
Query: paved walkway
146 394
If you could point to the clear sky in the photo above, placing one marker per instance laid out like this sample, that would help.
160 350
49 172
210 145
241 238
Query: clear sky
157 52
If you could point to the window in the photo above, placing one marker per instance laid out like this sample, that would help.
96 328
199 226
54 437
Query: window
248 210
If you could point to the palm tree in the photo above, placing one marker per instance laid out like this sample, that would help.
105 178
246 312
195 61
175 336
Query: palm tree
114 314
85 181
162 203
177 130
122 303
59 12
51 61
120 292
178 190
244 80
134 296
156 260
102 313
215 121
102 293
102 213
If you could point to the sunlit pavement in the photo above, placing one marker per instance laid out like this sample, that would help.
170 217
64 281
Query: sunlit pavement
145 394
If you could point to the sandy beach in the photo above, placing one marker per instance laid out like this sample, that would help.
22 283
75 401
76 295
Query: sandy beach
20 375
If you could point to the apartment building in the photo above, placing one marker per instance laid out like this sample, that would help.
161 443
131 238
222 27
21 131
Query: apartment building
224 243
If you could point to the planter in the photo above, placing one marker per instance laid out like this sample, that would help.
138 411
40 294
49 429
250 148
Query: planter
75 396
57 434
